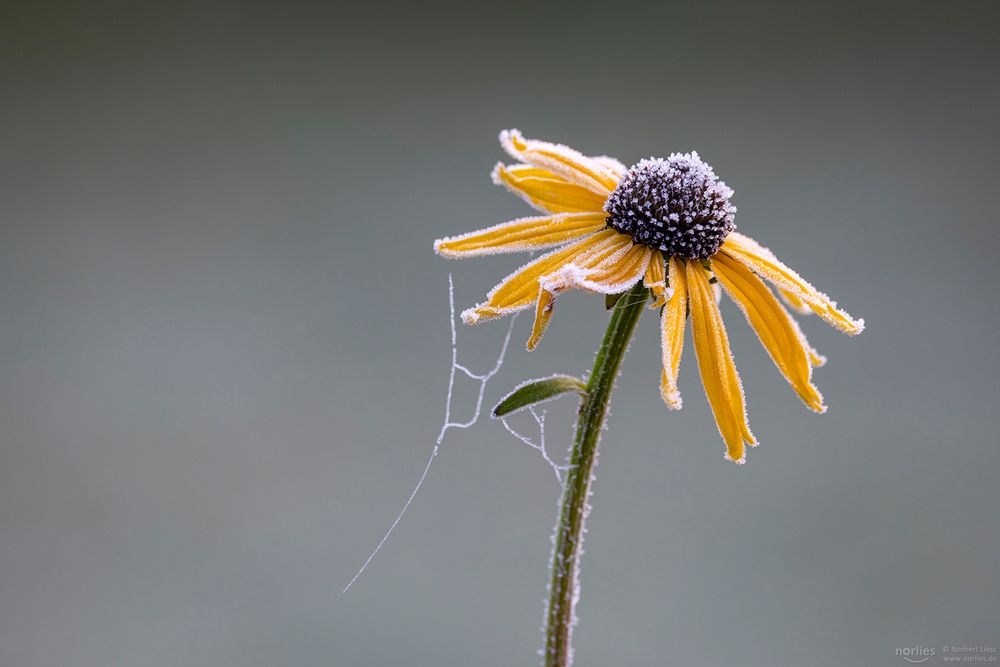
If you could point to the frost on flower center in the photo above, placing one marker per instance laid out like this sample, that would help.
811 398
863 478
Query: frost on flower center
677 205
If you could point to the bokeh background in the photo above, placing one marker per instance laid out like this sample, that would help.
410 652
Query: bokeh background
224 335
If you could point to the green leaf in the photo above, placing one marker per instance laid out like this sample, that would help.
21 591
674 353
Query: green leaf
611 299
536 391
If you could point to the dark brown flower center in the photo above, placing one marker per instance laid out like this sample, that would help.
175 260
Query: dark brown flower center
677 205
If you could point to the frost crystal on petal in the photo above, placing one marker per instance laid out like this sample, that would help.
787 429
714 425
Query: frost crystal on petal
677 205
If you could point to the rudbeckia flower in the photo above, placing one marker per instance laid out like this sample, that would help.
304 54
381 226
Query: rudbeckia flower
665 222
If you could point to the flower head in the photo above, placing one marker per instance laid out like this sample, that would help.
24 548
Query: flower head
677 206
668 223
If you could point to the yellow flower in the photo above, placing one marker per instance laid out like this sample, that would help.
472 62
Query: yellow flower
668 223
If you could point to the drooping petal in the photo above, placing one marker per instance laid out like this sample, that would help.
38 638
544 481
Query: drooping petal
774 327
815 358
521 235
594 272
790 297
797 305
672 321
543 314
715 361
656 279
546 191
800 308
520 289
763 262
562 160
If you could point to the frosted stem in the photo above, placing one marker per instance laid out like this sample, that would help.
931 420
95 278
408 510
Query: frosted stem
564 589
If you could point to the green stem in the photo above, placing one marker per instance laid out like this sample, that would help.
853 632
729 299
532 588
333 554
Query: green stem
565 586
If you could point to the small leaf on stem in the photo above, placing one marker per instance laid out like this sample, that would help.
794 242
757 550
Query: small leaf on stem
536 391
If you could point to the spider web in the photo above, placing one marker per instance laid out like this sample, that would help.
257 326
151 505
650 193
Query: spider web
537 443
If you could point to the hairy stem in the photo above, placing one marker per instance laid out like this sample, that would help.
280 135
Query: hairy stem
565 586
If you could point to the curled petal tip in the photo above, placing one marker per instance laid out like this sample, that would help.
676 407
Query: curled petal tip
441 249
511 139
495 174
481 313
512 142
673 400
740 461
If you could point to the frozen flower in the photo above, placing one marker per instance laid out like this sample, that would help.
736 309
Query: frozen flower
665 222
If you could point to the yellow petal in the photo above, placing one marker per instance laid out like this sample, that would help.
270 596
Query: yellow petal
520 289
799 307
774 326
815 358
595 272
546 191
561 160
521 235
672 321
795 303
543 313
656 279
609 274
715 361
763 262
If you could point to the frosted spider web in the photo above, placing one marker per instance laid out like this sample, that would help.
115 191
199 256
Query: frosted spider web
538 444
483 379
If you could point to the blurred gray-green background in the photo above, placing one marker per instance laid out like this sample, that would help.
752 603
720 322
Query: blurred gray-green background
224 335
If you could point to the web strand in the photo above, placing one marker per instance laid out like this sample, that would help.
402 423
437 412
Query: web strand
483 379
539 445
